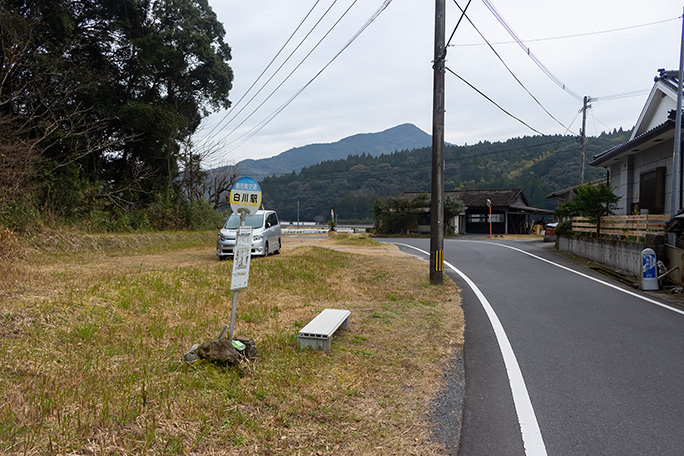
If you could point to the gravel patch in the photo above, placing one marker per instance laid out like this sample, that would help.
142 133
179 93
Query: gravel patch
447 408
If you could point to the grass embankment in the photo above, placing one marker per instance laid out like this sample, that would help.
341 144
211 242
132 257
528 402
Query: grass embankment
93 329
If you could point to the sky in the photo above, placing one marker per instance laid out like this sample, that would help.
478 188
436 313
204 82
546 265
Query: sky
384 77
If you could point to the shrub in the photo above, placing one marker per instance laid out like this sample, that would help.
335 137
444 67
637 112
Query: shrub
563 228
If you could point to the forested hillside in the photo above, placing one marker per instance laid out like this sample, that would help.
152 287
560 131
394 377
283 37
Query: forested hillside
538 164
405 136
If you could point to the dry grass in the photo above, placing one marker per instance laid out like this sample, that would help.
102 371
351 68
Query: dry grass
92 332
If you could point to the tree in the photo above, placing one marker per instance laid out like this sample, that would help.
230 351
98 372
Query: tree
452 208
594 202
396 214
108 91
566 211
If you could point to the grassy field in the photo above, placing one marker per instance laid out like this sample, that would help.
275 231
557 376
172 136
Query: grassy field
93 330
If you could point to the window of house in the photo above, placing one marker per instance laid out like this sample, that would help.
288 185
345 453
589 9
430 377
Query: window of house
477 218
652 191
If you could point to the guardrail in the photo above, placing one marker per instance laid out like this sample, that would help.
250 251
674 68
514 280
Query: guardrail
633 226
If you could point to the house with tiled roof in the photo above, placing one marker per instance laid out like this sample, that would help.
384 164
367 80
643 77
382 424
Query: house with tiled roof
640 170
510 209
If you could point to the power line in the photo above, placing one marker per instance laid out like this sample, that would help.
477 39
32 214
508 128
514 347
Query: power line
494 102
263 86
527 50
457 24
576 35
508 68
633 93
274 114
288 76
271 63
284 81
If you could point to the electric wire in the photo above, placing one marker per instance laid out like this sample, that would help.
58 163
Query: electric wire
527 50
596 119
547 72
509 69
576 35
617 96
287 77
494 102
237 103
263 86
456 27
248 135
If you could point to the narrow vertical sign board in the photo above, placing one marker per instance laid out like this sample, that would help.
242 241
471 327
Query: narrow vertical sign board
241 258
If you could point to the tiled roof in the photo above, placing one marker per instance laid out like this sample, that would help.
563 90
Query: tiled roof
500 197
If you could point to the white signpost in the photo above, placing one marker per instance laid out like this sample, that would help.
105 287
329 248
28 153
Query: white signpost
245 198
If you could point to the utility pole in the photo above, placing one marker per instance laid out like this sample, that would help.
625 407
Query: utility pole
675 197
437 201
583 142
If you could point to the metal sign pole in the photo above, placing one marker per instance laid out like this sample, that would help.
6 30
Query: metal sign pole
489 204
243 215
232 316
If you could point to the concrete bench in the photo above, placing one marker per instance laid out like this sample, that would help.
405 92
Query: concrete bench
319 331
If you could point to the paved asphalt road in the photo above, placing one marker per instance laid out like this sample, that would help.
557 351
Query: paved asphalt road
603 370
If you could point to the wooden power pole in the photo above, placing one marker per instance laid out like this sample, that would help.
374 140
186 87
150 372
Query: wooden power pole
437 201
583 143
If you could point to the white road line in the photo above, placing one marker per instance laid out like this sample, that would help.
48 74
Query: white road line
631 293
529 428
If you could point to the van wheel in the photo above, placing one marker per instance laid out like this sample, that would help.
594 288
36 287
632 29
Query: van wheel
266 249
277 252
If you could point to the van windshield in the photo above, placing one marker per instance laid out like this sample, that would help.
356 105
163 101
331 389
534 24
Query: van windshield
256 221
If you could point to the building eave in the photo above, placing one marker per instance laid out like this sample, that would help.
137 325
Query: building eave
646 140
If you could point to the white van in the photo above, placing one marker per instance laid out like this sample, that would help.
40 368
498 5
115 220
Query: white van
266 237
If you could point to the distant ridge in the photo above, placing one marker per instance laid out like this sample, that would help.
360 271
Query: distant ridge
402 137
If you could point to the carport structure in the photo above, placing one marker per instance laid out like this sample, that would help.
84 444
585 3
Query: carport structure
510 209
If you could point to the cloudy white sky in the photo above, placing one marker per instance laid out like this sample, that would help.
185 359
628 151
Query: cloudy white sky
384 78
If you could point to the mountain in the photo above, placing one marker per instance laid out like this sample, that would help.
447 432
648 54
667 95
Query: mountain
401 137
539 165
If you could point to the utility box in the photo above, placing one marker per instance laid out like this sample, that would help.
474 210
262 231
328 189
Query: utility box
649 270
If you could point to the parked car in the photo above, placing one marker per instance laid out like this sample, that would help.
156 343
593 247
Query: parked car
265 240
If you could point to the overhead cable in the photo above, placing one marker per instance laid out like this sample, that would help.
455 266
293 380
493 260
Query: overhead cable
509 69
527 50
245 137
494 102
287 59
575 35
237 103
457 24
289 75
617 96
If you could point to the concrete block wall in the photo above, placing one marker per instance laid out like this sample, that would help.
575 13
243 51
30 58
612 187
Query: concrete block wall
620 256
